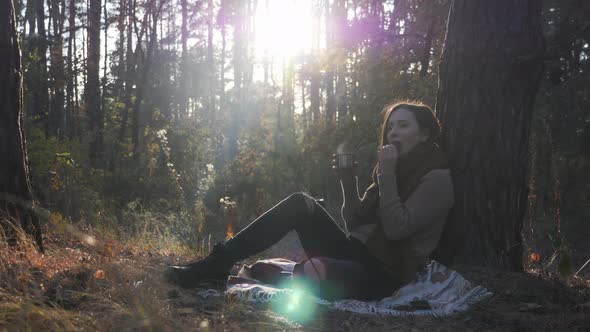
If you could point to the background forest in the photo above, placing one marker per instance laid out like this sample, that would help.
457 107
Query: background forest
173 123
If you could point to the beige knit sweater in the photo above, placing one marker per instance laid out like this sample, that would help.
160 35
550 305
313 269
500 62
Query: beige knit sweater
416 225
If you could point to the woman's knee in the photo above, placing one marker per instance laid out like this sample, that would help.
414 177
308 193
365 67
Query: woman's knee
308 201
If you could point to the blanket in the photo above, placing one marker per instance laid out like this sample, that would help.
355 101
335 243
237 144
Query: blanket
437 291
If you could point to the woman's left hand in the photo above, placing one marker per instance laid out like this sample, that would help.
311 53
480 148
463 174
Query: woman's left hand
387 156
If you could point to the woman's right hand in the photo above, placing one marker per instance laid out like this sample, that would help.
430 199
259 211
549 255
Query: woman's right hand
343 173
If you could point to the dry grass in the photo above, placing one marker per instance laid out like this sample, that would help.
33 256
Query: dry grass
87 280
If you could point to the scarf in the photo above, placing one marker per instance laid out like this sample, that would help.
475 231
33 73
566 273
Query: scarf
410 168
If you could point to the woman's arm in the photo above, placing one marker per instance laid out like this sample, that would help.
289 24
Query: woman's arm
430 202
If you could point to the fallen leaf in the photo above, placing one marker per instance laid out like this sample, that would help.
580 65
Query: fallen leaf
99 274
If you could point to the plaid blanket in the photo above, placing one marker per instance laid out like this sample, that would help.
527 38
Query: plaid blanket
436 291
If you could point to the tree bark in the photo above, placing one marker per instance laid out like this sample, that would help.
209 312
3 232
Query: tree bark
16 197
489 74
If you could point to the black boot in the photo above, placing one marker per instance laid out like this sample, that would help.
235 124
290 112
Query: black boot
212 269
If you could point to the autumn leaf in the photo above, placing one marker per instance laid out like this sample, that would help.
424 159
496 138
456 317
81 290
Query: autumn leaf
99 274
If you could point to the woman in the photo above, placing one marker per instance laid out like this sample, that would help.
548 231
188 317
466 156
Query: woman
393 228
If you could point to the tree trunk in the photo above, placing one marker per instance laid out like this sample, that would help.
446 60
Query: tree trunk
144 78
304 113
314 93
489 74
57 115
30 17
120 72
38 87
240 55
105 65
183 102
92 89
330 113
339 35
16 195
425 58
210 62
221 22
314 78
123 83
71 73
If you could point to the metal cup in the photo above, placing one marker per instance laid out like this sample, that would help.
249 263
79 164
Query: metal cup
345 160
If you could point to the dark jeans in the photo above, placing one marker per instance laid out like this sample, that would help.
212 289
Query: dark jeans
351 271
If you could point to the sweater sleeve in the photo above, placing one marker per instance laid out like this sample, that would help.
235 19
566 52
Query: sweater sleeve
429 203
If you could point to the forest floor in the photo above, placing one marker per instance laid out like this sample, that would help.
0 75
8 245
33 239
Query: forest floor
88 283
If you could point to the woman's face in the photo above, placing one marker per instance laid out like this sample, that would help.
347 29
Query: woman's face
403 131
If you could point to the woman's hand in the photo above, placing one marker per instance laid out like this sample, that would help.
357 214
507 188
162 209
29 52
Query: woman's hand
387 157
343 173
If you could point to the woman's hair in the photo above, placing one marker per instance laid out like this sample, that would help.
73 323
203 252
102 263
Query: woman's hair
424 116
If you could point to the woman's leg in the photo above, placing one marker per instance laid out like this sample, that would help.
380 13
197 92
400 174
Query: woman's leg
318 232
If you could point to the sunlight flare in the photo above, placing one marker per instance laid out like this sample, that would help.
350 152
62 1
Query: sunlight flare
284 28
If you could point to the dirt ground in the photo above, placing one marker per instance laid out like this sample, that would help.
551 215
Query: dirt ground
107 285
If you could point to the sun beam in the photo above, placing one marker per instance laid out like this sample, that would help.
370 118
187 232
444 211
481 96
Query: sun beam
284 28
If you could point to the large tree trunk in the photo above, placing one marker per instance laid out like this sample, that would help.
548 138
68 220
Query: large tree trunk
489 73
15 189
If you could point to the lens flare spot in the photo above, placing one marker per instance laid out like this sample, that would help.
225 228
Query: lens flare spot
298 304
